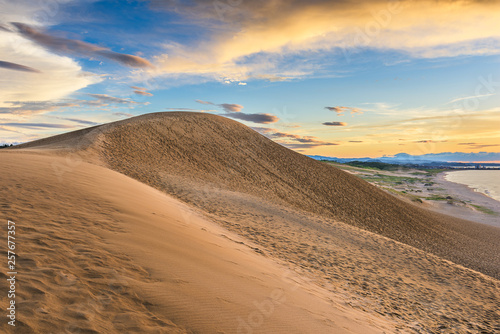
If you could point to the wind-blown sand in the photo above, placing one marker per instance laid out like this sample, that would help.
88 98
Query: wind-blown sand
365 261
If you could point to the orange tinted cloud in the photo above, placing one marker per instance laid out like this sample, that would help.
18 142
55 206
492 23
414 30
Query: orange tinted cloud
256 34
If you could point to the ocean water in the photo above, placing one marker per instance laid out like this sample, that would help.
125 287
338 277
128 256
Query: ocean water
484 181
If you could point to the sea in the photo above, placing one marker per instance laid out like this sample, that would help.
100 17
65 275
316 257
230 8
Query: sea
483 181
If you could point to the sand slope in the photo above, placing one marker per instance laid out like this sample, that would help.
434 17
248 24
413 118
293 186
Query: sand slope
270 208
102 253
185 154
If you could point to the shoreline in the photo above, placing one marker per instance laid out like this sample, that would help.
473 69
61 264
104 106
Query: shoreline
465 193
433 192
475 190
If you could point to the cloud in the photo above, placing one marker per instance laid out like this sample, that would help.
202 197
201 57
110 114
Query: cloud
38 125
234 111
205 102
76 120
229 107
30 108
341 110
477 146
112 99
262 130
30 12
355 141
35 107
5 28
17 67
292 141
141 91
470 97
122 114
258 38
42 78
56 76
8 130
255 118
71 46
334 123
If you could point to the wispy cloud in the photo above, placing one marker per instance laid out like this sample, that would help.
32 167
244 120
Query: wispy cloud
122 114
291 140
470 97
4 27
228 107
240 38
141 91
255 118
17 67
477 146
342 110
31 108
71 46
76 120
334 123
38 125
35 107
112 99
233 110
231 107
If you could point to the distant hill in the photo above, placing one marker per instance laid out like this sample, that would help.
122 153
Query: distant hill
437 159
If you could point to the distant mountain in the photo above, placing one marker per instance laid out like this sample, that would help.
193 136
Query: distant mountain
431 158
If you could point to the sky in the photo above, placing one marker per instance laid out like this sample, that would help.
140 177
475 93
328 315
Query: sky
343 78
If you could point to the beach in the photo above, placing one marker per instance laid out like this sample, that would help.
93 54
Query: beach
434 191
486 182
484 209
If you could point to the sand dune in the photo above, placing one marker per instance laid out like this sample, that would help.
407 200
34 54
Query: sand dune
185 154
102 253
347 256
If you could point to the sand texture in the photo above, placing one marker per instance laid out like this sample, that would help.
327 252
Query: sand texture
102 253
254 215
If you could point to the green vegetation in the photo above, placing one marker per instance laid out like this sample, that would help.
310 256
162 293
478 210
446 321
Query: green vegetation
396 180
5 145
438 198
369 171
413 198
484 210
376 165
434 171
